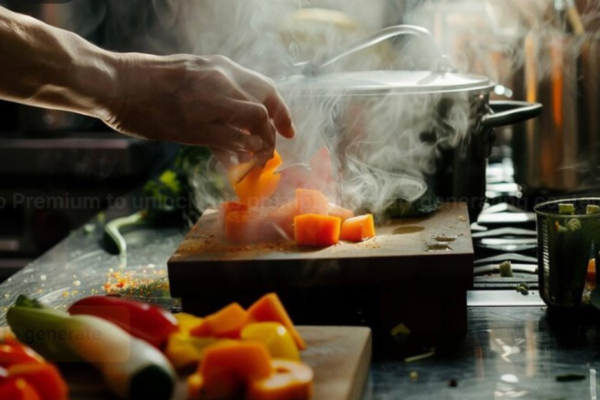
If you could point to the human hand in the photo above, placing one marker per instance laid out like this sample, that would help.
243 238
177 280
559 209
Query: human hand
207 100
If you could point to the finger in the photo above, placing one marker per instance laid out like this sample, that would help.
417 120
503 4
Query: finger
253 118
280 114
225 138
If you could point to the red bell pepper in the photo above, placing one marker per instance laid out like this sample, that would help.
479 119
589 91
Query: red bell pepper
142 320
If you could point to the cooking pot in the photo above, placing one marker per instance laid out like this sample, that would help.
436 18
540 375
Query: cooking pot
560 151
433 125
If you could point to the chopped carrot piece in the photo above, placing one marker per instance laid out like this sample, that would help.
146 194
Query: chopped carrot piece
311 202
358 228
228 367
225 323
270 309
260 183
337 211
282 219
316 230
290 380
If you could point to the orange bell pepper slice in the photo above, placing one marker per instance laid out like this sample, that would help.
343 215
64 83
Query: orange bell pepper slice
270 309
225 323
18 389
317 230
228 367
259 184
291 380
44 378
358 228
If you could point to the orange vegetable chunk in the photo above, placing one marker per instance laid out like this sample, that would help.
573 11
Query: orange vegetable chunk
228 367
290 380
311 201
251 226
282 219
337 211
44 378
18 389
259 184
270 309
316 230
225 323
358 228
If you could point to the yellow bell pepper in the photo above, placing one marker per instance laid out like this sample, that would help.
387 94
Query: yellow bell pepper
275 337
187 321
183 350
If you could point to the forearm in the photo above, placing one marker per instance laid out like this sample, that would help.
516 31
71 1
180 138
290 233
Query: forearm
49 67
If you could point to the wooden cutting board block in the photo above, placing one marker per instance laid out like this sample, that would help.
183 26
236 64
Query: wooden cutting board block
340 358
435 248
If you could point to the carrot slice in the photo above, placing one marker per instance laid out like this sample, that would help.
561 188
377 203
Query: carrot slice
225 323
316 230
358 228
290 380
228 367
270 309
311 201
259 184
337 211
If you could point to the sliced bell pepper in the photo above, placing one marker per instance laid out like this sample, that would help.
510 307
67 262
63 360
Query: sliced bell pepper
13 352
187 321
44 378
228 367
142 320
290 380
225 323
316 230
270 309
183 350
259 184
275 337
18 389
358 228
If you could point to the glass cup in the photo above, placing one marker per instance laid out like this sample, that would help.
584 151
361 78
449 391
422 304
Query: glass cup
568 232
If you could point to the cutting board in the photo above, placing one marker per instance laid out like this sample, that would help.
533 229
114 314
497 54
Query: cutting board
437 247
340 358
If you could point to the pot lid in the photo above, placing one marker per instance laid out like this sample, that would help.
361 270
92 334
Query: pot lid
384 82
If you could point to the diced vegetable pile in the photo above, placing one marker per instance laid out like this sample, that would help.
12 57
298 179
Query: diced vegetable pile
143 351
310 219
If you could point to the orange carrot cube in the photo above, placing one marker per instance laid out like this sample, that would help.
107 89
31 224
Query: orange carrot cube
316 230
358 228
225 323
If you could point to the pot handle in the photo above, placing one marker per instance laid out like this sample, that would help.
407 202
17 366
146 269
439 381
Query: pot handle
509 112
442 64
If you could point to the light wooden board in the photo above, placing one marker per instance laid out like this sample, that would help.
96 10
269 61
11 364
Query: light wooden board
340 358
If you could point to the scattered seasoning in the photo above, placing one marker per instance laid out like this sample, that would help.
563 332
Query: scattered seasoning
452 383
570 377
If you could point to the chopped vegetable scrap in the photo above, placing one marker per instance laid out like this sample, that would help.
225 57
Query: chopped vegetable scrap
144 352
257 185
356 229
506 269
320 223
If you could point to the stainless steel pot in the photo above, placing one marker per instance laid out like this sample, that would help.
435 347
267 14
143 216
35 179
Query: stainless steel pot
436 125
561 150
